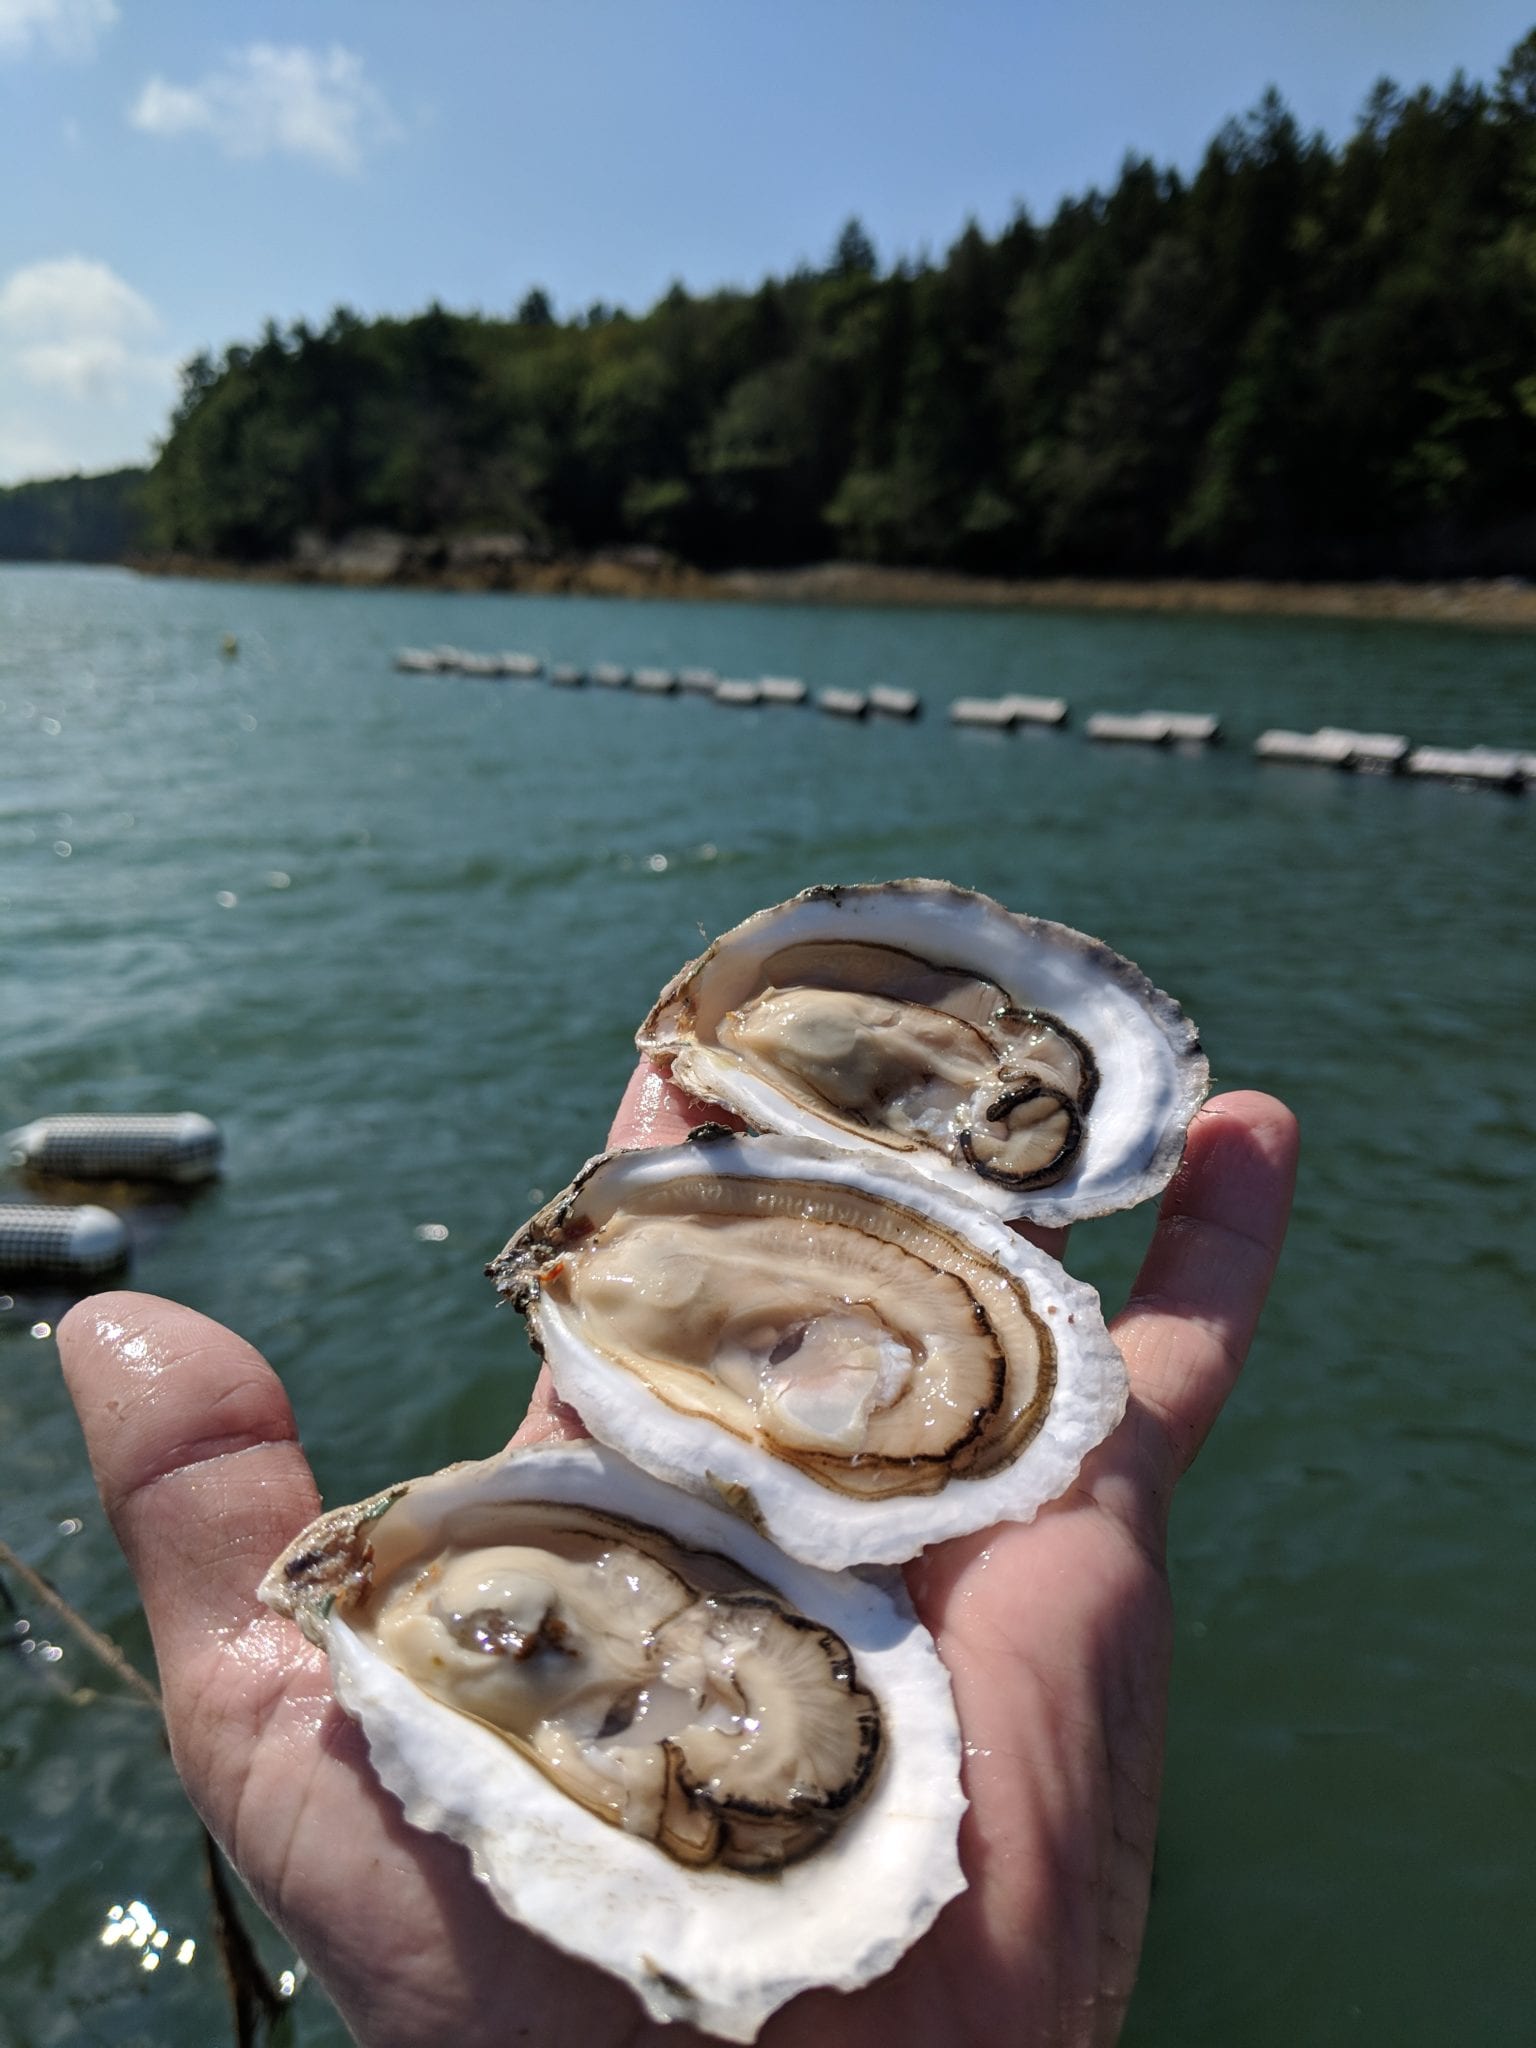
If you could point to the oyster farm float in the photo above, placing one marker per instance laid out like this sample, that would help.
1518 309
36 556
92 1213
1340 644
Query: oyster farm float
666 1686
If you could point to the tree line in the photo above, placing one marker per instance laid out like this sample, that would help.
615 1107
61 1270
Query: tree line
74 518
1304 359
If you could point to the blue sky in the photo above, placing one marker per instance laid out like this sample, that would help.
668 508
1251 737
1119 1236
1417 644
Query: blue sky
173 173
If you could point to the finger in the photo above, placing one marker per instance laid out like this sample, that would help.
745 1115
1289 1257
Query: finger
655 1111
1048 1238
549 1420
1186 1329
192 1442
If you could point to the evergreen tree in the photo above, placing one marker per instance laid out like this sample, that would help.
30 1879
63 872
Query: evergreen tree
1305 359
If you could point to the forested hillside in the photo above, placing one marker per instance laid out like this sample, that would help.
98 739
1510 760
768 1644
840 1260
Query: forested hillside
1303 360
74 518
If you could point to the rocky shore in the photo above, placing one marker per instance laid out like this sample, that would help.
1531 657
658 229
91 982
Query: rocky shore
507 562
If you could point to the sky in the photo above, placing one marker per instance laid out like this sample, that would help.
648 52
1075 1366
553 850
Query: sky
174 173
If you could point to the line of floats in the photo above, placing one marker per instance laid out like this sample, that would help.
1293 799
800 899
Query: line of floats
663 682
1330 746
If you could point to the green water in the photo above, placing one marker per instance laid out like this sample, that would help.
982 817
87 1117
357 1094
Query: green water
395 933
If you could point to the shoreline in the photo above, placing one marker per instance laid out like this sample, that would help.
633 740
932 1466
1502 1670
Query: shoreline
1500 603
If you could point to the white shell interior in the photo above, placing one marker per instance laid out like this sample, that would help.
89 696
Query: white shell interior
1152 1075
805 1518
713 1947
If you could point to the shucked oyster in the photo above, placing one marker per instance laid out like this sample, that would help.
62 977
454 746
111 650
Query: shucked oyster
629 1707
848 1353
1010 1057
669 1694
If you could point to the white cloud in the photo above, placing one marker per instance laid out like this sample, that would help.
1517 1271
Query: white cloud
94 366
85 376
68 296
268 98
62 28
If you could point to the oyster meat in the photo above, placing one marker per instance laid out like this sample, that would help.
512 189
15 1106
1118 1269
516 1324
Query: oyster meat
670 1750
849 1354
1013 1058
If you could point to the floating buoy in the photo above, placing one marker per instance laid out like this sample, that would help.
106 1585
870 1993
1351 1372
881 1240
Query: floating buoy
480 665
782 690
842 703
39 1243
654 682
1146 728
184 1147
1190 728
609 676
994 711
1036 710
1493 766
1310 747
524 666
229 647
564 676
1378 753
894 703
1336 746
736 690
699 681
419 661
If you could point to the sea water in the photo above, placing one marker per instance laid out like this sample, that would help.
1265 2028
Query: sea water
395 933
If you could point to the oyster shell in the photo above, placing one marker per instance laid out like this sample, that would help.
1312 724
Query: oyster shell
652 1706
1014 1059
848 1353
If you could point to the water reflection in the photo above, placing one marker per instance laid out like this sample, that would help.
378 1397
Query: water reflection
136 1925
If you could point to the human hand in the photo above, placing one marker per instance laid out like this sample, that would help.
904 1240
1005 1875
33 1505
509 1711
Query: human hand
1056 1634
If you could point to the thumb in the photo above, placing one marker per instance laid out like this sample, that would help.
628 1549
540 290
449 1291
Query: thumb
192 1443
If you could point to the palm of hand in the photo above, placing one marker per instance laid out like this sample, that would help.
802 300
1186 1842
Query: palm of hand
1056 1636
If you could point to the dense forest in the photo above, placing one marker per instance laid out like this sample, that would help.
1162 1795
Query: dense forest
1304 359
74 518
